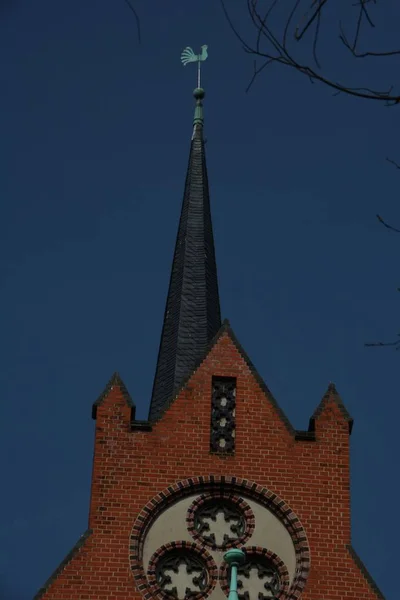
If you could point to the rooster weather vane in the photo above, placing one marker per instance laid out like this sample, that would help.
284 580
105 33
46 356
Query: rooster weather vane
188 56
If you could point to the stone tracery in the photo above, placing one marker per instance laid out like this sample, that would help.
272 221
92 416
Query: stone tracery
263 576
220 521
181 575
181 571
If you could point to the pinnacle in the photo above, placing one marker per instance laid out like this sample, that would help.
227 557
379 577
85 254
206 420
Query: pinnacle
331 394
115 380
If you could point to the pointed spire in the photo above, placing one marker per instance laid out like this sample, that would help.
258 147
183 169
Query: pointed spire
192 314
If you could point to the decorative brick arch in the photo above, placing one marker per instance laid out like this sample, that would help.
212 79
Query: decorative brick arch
217 484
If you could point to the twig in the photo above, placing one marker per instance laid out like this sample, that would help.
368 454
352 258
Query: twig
393 163
315 42
387 224
257 71
346 43
278 51
381 344
310 21
132 8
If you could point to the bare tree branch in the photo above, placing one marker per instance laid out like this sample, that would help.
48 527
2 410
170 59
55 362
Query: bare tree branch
387 224
310 21
393 163
365 11
132 8
272 45
288 22
353 51
315 42
361 14
271 42
257 71
381 344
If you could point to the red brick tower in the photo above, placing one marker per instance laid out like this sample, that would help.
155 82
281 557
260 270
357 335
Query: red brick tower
217 465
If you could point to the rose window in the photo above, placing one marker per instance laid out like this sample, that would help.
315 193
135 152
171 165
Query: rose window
230 523
220 522
218 518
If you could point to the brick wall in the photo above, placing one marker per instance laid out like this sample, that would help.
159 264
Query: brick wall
310 472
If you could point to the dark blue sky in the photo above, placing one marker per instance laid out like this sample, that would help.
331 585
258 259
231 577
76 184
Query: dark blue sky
95 133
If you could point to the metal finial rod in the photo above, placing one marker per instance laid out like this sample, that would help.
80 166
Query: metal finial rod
234 558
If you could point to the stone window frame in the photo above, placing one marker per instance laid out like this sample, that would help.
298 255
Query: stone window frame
216 431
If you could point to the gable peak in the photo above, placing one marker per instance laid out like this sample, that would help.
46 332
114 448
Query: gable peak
226 330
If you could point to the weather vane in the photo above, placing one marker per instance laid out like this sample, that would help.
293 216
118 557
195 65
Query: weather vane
188 56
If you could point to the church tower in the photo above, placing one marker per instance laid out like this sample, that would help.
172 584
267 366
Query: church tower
216 466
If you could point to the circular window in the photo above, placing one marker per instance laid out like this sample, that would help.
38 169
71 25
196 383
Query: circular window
181 570
263 573
212 514
220 521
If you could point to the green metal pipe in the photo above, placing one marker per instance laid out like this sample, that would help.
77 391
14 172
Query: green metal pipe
234 558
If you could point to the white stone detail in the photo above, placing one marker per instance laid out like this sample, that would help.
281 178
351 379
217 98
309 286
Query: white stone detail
220 527
254 584
182 580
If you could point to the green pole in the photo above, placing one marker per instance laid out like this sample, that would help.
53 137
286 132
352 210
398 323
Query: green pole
234 558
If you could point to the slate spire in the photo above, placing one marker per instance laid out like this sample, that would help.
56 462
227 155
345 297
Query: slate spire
192 314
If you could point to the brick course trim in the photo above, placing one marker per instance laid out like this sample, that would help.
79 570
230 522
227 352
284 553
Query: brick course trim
217 484
365 572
